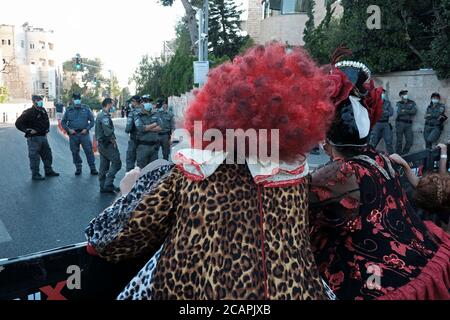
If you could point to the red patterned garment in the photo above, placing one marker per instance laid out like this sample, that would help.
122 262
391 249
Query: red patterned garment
368 241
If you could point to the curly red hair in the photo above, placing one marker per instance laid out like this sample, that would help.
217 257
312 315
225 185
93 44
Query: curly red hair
269 87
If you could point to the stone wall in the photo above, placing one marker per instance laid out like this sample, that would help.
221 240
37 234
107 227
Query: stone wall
421 84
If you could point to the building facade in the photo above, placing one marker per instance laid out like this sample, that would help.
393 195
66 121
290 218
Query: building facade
282 20
32 66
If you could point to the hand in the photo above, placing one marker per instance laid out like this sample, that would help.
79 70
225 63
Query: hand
33 132
72 132
114 143
84 132
443 148
129 180
398 160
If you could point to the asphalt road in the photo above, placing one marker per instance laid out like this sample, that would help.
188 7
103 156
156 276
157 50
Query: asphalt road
36 216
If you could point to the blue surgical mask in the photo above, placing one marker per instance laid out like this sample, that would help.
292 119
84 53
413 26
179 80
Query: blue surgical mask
40 104
405 97
148 107
77 102
113 109
435 101
383 96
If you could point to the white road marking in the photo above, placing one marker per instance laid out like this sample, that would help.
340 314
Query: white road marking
4 235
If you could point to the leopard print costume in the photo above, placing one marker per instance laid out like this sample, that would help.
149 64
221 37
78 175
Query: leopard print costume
220 238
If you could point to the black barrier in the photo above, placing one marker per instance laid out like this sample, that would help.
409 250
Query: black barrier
68 273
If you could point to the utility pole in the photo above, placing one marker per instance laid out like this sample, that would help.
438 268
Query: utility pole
201 67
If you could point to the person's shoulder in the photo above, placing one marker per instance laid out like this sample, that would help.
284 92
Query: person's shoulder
28 111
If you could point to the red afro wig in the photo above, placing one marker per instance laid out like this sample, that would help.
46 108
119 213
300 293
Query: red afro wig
269 87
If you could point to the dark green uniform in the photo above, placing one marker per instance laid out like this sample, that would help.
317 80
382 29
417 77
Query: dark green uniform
434 123
383 129
110 162
406 111
132 143
147 142
167 127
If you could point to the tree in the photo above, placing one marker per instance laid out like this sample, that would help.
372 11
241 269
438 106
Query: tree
413 34
225 35
189 19
148 75
4 94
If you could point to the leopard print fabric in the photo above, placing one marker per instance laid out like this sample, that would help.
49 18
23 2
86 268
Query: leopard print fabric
104 229
221 238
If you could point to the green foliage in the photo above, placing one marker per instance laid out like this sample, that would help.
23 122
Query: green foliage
178 74
4 94
413 34
225 38
148 75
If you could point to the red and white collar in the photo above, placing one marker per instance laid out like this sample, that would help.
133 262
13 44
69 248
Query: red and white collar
198 165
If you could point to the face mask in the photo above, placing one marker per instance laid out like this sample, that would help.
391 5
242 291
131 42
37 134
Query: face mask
130 105
405 97
383 96
435 101
148 107
77 102
39 104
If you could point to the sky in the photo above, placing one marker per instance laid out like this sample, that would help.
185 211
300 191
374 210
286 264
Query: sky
116 31
119 32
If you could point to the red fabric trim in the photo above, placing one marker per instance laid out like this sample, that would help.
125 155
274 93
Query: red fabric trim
263 250
188 174
91 250
433 283
294 172
283 184
188 161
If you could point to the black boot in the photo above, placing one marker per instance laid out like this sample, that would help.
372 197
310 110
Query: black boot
37 177
78 172
94 172
52 174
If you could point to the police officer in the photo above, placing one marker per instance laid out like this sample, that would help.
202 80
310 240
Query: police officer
383 129
406 110
167 120
135 107
77 121
34 122
148 124
110 162
434 120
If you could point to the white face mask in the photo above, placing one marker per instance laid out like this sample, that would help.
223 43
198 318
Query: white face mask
435 101
405 97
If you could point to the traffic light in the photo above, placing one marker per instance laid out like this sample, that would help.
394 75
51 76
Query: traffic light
78 63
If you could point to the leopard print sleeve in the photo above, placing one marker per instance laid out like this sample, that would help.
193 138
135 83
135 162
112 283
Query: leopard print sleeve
135 223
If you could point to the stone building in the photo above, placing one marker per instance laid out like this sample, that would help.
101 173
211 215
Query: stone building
282 20
32 66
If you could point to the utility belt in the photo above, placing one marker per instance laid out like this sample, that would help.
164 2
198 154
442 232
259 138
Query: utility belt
164 133
404 121
383 121
147 143
434 125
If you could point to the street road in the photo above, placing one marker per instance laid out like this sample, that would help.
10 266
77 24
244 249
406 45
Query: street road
36 216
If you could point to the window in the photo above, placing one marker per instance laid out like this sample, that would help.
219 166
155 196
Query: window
3 42
31 45
9 42
51 46
51 63
42 45
43 85
32 62
293 6
22 43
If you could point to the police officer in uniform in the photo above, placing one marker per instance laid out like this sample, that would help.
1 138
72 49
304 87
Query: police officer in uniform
383 129
168 126
434 120
110 162
148 124
134 108
34 122
77 121
406 111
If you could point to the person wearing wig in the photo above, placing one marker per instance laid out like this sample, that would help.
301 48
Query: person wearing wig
367 240
228 229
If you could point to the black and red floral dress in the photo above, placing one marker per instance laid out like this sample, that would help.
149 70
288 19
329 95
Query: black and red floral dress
368 241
